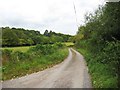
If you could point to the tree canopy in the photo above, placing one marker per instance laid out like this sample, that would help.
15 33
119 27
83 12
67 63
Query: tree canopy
22 37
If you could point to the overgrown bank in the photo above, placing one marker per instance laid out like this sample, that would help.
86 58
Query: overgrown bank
40 57
103 65
99 41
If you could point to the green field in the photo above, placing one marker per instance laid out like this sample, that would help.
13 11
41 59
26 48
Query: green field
69 44
25 48
22 48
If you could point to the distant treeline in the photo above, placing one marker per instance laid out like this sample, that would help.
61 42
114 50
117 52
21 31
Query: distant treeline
21 37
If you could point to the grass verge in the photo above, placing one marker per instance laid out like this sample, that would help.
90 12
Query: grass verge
21 68
101 74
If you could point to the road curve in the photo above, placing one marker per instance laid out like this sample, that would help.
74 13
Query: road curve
71 73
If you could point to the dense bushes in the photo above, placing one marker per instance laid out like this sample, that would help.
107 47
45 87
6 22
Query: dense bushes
99 38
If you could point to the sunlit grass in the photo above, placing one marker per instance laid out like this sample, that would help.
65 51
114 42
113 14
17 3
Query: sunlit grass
22 48
25 48
69 44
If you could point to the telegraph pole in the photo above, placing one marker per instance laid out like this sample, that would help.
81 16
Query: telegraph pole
75 14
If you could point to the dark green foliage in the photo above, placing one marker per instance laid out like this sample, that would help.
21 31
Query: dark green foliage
9 37
18 37
100 38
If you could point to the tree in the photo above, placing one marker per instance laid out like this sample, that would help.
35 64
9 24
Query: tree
46 33
10 38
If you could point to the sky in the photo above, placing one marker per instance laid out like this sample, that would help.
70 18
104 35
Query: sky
55 15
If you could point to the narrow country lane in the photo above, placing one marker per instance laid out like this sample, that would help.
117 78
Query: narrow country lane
71 73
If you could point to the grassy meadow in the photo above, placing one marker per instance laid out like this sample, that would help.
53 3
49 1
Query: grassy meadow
21 48
69 44
26 48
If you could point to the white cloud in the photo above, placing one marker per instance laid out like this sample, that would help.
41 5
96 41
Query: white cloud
56 15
